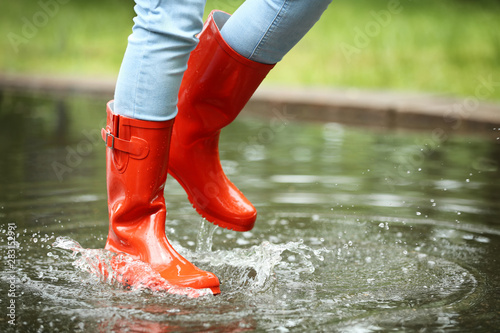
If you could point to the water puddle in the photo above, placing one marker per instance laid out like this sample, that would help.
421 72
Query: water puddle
358 231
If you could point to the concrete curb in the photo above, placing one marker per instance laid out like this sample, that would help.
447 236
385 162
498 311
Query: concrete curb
380 109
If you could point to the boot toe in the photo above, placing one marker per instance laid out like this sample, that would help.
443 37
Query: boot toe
196 280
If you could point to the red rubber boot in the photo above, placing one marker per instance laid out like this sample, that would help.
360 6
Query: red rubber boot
215 88
136 167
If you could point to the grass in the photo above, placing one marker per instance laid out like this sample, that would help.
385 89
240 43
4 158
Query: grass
443 46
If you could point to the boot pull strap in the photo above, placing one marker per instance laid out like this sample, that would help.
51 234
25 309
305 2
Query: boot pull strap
136 147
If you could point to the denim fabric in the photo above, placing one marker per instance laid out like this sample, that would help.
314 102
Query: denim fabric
158 49
164 34
265 30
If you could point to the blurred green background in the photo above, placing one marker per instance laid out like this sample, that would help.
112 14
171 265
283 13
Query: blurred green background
444 46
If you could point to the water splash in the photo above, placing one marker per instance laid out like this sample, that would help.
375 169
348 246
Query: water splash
121 270
254 268
204 240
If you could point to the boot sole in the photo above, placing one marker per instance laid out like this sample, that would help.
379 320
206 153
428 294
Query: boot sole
210 218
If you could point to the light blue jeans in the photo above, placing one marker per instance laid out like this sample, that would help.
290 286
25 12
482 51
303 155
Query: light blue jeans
164 34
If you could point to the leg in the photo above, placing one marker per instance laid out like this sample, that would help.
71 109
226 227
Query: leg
233 57
215 88
158 49
138 134
265 30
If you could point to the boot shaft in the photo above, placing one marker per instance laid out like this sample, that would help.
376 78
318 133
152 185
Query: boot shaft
217 84
136 165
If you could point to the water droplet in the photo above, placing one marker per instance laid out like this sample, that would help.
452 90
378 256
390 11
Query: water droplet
482 239
241 241
419 213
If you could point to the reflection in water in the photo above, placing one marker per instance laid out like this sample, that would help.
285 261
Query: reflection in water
358 231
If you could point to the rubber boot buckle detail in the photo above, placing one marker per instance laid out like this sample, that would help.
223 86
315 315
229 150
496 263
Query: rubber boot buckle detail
137 148
112 140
